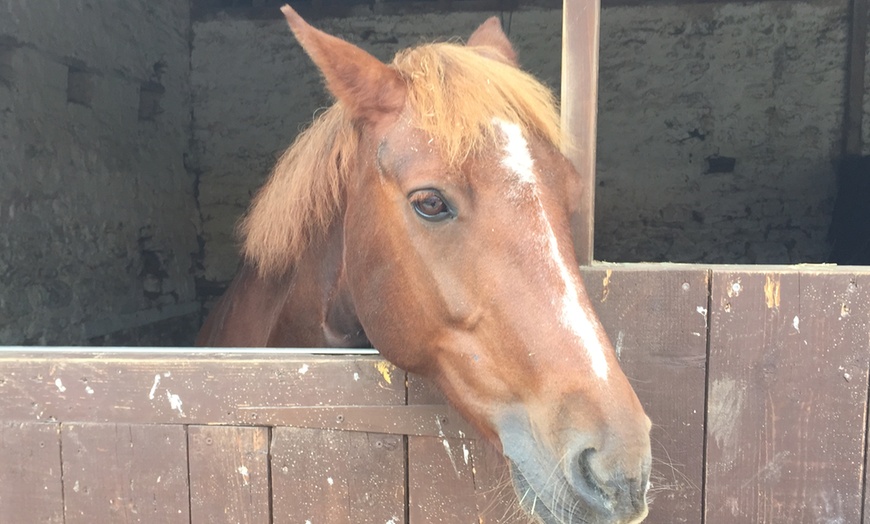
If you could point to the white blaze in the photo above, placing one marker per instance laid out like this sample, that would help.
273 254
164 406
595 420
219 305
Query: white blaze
518 160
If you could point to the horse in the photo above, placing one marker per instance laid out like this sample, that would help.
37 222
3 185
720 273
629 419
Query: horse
427 213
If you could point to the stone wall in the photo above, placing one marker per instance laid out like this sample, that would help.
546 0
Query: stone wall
97 211
719 127
719 124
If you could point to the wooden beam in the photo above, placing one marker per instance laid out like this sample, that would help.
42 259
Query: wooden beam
854 112
579 97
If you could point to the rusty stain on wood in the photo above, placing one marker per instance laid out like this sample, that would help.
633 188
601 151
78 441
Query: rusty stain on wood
605 290
772 295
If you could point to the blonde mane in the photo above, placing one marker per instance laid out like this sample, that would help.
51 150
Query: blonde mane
454 95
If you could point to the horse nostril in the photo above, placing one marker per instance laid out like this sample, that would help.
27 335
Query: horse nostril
589 480
616 492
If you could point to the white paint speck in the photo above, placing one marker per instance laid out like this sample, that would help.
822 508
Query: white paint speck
465 453
159 478
735 290
304 369
175 403
393 520
796 323
59 383
243 471
701 311
76 487
356 376
89 390
330 481
154 387
167 374
446 444
307 522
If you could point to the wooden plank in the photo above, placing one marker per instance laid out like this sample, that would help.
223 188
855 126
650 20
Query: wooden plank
656 319
124 473
337 477
30 483
579 102
496 497
787 396
229 475
440 472
854 112
866 464
425 420
182 389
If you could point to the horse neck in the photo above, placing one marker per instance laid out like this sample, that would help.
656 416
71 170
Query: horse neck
307 306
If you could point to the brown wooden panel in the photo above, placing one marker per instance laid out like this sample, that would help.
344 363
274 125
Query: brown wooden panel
338 477
657 321
186 389
124 473
425 420
30 473
787 396
229 474
496 498
440 470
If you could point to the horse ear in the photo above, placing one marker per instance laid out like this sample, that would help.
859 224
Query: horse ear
489 36
364 84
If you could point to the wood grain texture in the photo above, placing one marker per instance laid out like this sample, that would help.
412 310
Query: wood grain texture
30 473
440 471
787 396
229 475
125 473
497 500
337 477
162 389
579 102
657 321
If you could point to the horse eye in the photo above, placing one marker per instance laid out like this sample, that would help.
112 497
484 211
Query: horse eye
430 205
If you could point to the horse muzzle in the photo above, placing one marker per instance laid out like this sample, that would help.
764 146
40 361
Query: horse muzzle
586 481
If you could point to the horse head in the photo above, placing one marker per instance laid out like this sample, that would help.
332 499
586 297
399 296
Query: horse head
459 264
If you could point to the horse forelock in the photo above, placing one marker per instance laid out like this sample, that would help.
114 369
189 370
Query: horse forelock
454 94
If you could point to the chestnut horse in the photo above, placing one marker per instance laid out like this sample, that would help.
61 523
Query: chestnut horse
428 213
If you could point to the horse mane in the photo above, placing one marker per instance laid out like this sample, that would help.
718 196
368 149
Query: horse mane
454 94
